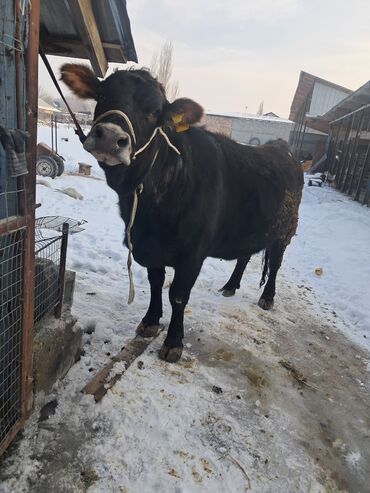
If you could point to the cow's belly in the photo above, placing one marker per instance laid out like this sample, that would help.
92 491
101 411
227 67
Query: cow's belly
240 247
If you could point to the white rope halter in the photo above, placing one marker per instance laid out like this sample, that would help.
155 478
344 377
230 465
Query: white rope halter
140 188
132 131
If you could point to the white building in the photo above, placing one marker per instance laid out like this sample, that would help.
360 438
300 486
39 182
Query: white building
248 129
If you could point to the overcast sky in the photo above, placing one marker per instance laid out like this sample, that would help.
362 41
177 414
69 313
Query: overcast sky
229 54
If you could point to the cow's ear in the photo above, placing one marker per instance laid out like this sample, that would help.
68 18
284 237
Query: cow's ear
182 113
81 80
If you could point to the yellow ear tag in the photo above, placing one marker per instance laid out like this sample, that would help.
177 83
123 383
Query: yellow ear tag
177 119
181 127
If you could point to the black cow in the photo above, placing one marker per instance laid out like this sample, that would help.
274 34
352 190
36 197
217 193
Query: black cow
216 199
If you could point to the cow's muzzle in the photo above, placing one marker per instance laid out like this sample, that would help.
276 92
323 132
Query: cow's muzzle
109 144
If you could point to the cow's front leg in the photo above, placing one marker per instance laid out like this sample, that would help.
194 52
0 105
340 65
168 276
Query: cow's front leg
186 274
150 324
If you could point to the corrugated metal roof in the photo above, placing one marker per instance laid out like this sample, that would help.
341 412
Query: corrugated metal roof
75 28
305 87
353 102
324 97
356 100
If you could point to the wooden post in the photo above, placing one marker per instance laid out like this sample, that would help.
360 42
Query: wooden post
84 169
29 246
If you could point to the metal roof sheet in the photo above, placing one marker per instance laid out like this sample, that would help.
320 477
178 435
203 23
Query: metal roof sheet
305 86
353 102
79 28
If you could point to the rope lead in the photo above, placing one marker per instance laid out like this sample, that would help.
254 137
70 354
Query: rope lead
139 189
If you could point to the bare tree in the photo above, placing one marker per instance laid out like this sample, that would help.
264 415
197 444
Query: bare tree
162 66
46 96
260 109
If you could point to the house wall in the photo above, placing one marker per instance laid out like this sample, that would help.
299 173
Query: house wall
218 124
243 130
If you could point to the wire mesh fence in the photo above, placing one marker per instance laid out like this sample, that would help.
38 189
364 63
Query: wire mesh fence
51 250
47 276
11 315
16 213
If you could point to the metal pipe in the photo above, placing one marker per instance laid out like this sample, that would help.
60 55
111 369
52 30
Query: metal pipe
357 160
350 114
62 269
343 157
302 140
17 59
56 133
333 158
364 169
52 131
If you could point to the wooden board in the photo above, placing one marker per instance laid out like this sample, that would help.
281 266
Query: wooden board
104 379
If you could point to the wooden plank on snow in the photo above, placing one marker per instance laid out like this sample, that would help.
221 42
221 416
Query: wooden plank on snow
107 376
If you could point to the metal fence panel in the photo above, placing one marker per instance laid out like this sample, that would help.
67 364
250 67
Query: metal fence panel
11 317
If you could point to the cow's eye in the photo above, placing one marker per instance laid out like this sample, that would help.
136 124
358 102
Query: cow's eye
153 114
150 117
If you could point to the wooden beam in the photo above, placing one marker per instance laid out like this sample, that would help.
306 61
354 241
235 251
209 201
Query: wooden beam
30 200
84 20
105 378
53 45
12 223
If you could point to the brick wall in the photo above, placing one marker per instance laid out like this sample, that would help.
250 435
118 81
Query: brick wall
220 124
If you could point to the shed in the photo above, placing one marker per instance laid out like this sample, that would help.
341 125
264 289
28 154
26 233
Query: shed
91 29
313 97
348 159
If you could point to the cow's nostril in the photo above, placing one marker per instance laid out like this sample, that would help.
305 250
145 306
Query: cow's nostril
122 142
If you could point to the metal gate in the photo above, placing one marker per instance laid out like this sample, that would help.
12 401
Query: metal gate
18 39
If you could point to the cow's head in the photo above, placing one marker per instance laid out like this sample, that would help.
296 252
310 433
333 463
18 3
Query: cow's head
139 96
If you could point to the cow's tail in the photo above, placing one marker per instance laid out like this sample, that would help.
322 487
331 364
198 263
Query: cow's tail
265 270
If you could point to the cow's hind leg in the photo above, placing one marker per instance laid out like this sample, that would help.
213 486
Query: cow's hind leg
186 274
234 282
150 324
274 257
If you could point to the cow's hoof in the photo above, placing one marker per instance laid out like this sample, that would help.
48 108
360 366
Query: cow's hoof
228 292
144 330
171 355
265 304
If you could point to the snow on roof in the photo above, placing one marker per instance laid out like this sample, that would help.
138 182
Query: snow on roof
248 116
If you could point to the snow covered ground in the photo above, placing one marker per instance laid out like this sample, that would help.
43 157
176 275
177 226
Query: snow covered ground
334 234
229 417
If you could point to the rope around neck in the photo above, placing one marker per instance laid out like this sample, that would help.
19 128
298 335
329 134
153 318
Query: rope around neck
138 191
140 188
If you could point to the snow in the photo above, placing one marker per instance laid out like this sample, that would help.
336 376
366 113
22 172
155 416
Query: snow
71 150
249 116
334 234
162 427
